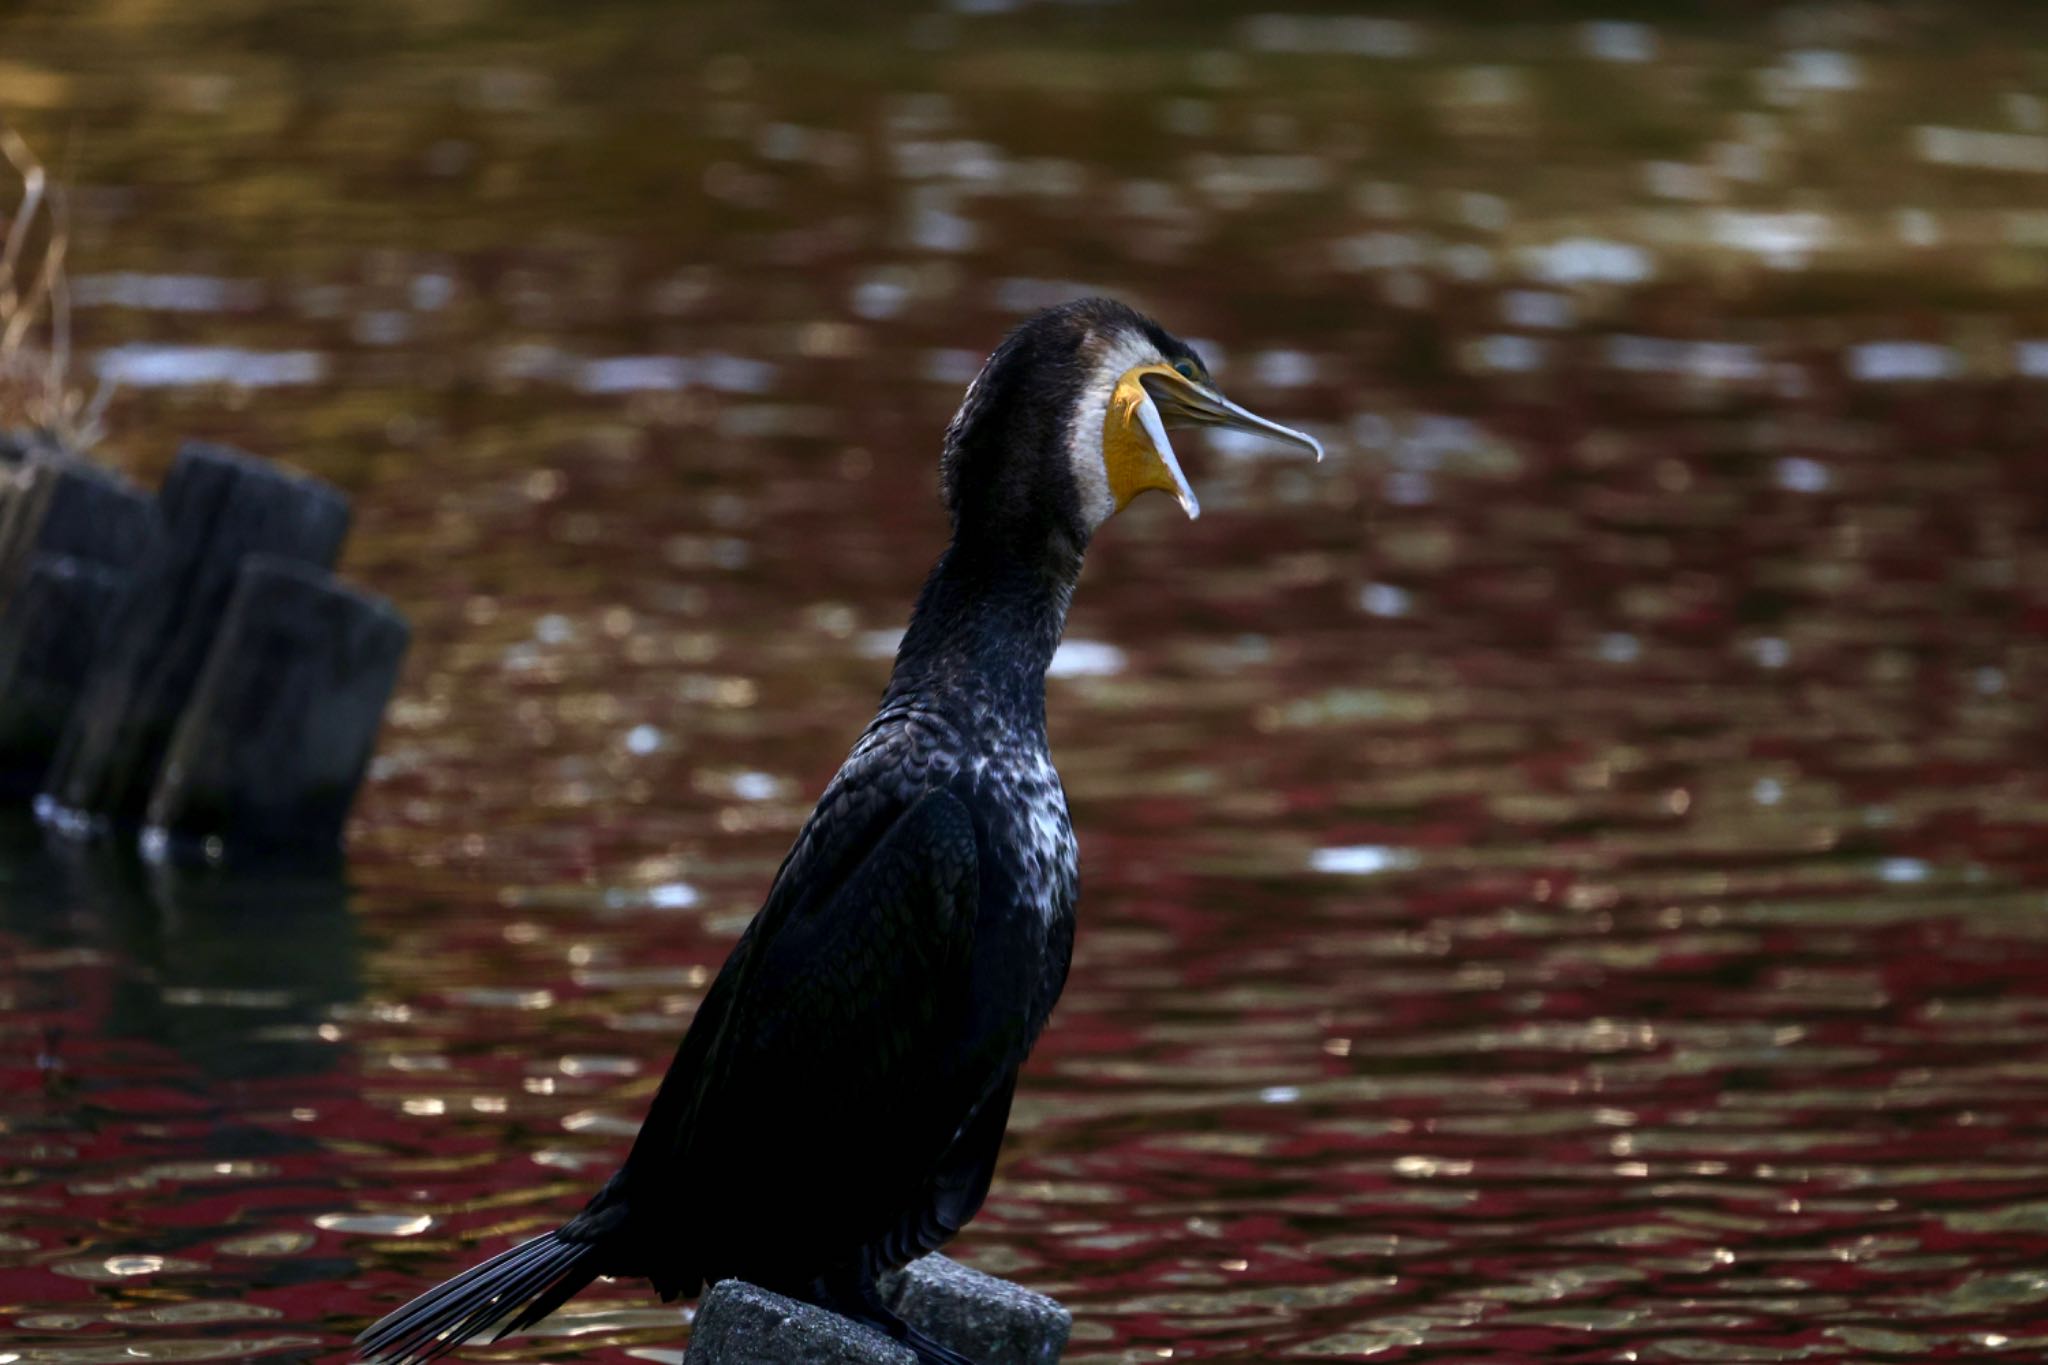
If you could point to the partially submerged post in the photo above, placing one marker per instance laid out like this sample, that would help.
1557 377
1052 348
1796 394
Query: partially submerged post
70 535
58 504
50 628
269 751
110 602
219 506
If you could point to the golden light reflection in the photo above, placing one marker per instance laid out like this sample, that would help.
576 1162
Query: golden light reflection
1597 804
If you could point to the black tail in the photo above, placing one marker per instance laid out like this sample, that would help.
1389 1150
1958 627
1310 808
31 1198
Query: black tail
524 1284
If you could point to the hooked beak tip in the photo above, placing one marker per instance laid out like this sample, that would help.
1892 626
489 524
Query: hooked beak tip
1201 405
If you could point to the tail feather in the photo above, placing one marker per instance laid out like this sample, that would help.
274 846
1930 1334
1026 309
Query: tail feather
524 1284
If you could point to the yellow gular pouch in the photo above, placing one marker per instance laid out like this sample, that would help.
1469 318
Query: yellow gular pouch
1135 452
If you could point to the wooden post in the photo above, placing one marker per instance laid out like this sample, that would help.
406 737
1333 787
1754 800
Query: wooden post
218 507
70 535
60 505
51 627
268 755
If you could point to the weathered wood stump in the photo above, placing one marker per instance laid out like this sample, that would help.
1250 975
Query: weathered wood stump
57 504
218 507
70 535
51 627
266 759
990 1320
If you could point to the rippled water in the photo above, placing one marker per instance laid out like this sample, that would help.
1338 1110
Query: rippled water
1563 879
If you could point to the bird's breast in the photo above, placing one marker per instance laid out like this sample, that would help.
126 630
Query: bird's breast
1031 838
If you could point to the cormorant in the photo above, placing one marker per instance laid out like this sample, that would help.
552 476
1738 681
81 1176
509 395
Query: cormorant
836 1106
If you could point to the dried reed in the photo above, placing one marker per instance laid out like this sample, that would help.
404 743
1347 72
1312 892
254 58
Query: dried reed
35 311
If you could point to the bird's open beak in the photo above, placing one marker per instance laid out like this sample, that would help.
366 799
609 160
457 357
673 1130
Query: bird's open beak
1148 401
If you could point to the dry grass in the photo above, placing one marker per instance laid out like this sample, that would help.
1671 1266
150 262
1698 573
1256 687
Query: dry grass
35 310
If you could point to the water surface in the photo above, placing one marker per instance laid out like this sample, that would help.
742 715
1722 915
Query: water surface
1563 879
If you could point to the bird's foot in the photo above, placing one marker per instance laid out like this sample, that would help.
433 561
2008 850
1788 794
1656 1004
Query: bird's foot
860 1301
930 1352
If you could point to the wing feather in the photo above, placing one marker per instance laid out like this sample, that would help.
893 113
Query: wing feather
829 1071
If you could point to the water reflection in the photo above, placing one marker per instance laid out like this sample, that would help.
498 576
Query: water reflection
1563 878
235 975
146 366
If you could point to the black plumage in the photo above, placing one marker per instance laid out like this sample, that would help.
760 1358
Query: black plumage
837 1105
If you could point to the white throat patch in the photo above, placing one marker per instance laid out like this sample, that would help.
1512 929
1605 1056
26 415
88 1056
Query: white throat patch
1114 357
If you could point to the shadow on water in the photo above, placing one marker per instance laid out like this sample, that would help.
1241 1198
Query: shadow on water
171 1013
233 972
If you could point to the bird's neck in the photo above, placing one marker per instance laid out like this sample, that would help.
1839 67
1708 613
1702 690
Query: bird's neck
984 630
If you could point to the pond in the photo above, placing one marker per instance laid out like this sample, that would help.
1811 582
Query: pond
1563 879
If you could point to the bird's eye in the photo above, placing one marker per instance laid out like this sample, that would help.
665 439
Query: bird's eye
1185 369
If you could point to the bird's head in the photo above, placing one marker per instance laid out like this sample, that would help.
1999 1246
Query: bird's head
1068 421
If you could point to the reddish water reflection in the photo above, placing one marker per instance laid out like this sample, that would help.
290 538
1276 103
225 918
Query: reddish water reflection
1563 879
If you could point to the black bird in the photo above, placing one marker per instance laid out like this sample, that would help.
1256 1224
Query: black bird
836 1107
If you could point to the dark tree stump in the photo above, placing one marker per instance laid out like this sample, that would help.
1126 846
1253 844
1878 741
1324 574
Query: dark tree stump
267 757
51 627
70 535
58 505
218 507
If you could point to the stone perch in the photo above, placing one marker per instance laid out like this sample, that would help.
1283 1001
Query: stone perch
990 1320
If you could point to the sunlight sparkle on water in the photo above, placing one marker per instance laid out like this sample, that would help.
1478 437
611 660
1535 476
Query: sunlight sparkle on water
1591 822
1363 860
145 365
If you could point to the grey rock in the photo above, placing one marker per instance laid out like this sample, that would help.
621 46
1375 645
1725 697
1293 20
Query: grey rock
267 757
218 506
992 1321
743 1324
